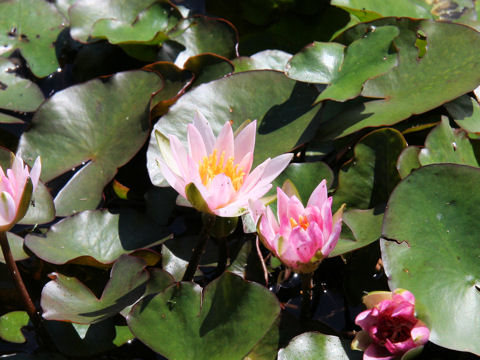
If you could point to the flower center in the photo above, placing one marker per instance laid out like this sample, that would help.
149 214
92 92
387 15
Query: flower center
302 221
213 165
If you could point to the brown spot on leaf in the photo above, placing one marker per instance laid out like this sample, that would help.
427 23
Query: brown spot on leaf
3 86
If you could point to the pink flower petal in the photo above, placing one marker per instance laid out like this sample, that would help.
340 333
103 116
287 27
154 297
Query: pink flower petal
35 173
173 180
8 208
225 141
256 208
420 333
365 319
302 243
282 205
295 208
203 126
319 195
399 348
253 178
316 236
180 156
404 295
275 166
245 141
246 163
332 239
196 146
220 192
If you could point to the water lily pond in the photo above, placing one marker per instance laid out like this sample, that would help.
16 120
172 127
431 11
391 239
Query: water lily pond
240 180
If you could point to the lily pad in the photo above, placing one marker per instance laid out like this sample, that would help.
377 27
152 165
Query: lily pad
369 9
446 145
67 299
313 346
433 217
32 27
465 111
17 93
368 179
223 322
345 69
11 326
420 82
263 60
283 116
365 227
16 246
408 161
98 234
96 125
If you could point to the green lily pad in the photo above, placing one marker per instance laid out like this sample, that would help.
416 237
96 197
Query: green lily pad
345 69
32 27
67 299
17 93
11 326
202 34
305 176
263 60
371 9
16 246
465 111
416 85
313 346
283 116
98 234
368 179
223 322
408 160
150 26
433 217
96 125
365 227
446 145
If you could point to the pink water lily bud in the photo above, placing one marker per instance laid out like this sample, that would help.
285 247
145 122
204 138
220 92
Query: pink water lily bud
213 173
390 328
16 187
302 236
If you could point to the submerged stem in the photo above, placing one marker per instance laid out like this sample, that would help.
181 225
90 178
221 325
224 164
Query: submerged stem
307 285
17 279
200 248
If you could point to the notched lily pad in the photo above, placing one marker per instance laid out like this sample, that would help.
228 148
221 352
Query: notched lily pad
32 27
67 299
98 234
224 322
96 125
16 246
11 326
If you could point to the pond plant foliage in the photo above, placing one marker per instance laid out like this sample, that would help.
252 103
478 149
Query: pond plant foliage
256 180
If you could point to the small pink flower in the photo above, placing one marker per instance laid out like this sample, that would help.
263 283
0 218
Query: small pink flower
214 174
14 199
390 327
301 237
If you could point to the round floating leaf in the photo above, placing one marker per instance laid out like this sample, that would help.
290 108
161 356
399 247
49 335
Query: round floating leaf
326 63
17 93
149 26
420 82
369 9
283 116
408 161
225 322
67 299
263 60
11 326
202 34
98 125
365 227
305 176
465 111
446 145
16 246
433 216
369 178
98 234
32 27
314 346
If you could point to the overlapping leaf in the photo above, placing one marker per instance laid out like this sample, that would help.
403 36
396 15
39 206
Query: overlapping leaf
433 217
98 125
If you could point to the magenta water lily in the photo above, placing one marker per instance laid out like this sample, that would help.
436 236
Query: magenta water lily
302 236
390 328
214 173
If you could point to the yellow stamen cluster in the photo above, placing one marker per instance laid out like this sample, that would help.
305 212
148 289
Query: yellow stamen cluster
302 221
213 165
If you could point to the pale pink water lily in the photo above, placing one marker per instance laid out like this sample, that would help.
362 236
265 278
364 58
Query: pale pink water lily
218 168
14 199
302 236
390 328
